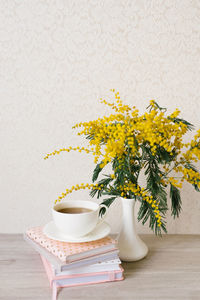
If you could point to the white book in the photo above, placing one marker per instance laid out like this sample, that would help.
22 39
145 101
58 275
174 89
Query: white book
79 279
93 278
110 265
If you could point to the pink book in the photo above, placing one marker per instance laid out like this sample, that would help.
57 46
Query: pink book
69 252
79 279
62 266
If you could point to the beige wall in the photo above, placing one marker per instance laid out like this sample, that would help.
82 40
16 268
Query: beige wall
57 58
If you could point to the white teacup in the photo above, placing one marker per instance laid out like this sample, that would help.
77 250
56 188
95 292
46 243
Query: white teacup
77 224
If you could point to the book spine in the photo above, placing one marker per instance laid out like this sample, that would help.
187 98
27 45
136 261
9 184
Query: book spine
110 274
94 278
91 260
48 270
93 252
54 291
90 255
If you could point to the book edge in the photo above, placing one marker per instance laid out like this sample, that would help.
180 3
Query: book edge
78 256
55 277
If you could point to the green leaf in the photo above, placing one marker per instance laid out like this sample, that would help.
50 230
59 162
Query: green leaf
93 193
163 226
160 108
135 142
112 191
106 202
90 137
96 172
153 178
143 212
157 190
196 187
146 212
164 156
178 120
104 182
188 165
175 201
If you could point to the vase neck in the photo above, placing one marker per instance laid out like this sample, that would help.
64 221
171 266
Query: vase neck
128 216
128 202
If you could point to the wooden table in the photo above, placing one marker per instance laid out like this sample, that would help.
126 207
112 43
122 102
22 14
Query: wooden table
170 271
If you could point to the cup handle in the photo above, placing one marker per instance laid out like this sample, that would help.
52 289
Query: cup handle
101 219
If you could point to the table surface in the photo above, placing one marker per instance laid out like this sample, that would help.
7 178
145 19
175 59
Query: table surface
171 270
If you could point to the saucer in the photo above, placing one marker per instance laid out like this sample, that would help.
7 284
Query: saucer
52 232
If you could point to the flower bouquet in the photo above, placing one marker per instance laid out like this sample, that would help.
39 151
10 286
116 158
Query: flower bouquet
133 144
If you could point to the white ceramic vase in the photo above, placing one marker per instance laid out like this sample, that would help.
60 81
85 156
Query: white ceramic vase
131 247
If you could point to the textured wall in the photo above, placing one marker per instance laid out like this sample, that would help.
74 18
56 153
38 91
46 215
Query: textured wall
57 58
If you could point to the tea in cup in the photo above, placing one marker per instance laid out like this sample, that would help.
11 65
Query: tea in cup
77 218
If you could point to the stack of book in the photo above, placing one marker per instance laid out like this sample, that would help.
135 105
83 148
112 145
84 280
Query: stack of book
72 264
